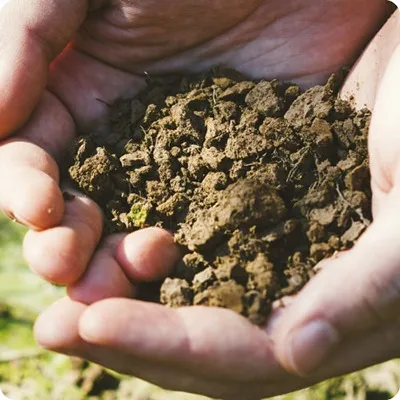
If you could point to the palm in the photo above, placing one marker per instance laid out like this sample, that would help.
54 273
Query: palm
267 38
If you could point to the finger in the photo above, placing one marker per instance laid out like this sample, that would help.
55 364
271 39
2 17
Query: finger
33 33
61 254
148 254
203 339
358 292
362 83
104 277
376 72
28 174
145 255
361 351
18 200
371 348
56 329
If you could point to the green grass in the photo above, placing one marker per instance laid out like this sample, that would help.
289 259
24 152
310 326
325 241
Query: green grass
18 285
11 235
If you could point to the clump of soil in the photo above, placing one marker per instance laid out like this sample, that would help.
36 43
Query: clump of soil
258 180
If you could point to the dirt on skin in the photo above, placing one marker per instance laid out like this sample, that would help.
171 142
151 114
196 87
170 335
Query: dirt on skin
258 180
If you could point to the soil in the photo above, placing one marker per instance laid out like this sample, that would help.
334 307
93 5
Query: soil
258 181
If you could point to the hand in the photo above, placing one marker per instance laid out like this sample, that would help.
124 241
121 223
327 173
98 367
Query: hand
105 60
351 308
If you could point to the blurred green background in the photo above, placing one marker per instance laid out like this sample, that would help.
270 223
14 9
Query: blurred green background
28 372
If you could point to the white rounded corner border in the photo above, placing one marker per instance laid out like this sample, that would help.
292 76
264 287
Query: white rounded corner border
3 396
397 397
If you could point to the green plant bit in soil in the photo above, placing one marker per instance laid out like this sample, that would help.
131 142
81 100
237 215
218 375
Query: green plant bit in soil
258 180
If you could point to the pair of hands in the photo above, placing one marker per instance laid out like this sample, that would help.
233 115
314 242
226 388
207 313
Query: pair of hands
58 58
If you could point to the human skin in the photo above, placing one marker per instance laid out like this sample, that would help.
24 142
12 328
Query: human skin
204 350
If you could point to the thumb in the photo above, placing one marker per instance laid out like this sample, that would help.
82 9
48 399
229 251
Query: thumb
33 33
354 293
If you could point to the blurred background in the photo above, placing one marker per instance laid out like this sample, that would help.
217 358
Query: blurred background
28 372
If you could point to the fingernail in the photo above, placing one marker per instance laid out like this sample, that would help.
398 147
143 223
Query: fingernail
309 345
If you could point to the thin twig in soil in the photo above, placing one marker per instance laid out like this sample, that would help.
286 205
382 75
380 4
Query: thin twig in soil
358 211
297 164
214 97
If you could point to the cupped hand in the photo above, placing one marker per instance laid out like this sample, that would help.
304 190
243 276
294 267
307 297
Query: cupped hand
98 52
